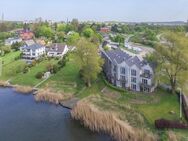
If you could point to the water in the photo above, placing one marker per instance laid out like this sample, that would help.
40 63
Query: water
22 119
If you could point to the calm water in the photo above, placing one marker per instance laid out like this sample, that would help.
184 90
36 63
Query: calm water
21 119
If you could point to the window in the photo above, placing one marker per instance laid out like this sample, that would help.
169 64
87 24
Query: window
133 79
123 84
115 68
133 72
122 70
133 86
146 90
122 77
147 71
114 76
145 81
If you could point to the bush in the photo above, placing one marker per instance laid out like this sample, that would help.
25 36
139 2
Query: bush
55 68
39 75
163 124
26 69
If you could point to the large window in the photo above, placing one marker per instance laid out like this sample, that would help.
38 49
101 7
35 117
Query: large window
115 68
133 72
133 86
133 79
122 70
145 81
123 78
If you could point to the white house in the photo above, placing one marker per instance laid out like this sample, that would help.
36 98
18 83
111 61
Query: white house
10 41
129 72
34 51
57 50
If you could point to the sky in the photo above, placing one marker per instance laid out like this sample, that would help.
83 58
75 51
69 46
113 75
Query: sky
96 10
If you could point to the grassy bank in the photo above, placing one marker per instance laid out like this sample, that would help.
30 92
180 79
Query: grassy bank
29 79
98 118
67 79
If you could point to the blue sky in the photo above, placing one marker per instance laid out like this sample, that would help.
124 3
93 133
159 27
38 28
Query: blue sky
98 10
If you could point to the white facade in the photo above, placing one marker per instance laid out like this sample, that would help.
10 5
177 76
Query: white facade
57 53
33 52
10 41
130 73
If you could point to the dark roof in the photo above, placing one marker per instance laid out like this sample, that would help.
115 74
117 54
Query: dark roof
33 47
57 47
119 56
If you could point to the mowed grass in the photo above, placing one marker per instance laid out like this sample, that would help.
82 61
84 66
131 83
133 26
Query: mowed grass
167 107
10 57
29 78
12 69
67 79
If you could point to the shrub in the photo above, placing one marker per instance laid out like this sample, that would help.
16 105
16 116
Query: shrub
33 63
39 75
163 124
26 69
55 68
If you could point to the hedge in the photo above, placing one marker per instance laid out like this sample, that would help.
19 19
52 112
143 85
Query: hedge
165 124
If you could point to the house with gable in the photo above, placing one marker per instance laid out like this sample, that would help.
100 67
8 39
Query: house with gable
128 72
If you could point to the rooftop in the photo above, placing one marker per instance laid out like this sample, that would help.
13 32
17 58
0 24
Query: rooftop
57 47
119 56
33 46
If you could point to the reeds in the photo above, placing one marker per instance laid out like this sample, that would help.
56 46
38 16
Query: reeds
4 84
172 136
23 89
48 95
109 123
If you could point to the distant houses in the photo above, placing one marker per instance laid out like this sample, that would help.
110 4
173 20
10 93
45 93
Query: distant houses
105 29
10 41
128 72
26 34
57 50
35 51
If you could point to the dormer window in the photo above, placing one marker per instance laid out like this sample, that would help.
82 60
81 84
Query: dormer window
147 71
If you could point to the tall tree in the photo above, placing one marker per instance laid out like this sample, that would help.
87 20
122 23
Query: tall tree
172 58
75 24
89 60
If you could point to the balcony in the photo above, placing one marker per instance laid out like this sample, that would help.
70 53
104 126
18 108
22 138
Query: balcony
146 75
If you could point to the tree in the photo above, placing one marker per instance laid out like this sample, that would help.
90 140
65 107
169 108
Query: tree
88 32
172 58
73 38
75 24
61 27
42 30
89 61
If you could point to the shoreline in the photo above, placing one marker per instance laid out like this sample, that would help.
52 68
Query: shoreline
68 104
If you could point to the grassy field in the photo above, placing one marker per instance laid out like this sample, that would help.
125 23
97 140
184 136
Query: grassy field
10 57
67 79
12 69
28 78
167 107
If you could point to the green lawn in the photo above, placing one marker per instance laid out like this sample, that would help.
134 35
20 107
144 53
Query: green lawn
10 57
29 77
67 79
162 109
12 69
